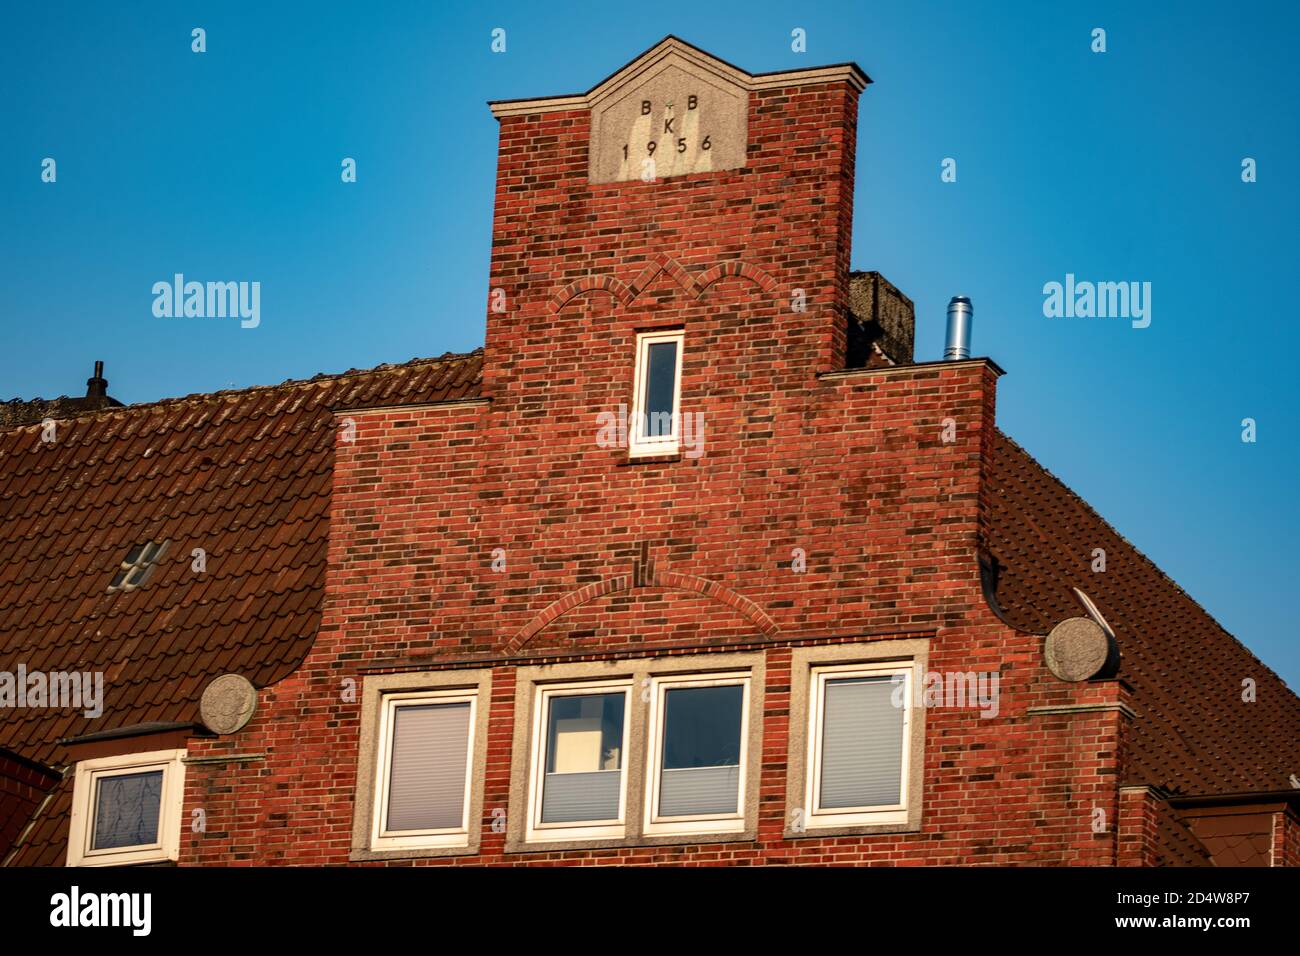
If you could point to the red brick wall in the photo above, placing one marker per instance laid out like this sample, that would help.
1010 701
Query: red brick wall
1285 839
23 786
789 213
851 469
1138 834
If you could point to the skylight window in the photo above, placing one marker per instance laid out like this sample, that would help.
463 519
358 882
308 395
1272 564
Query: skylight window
138 566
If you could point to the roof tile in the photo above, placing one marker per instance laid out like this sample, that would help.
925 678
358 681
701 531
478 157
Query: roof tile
1194 733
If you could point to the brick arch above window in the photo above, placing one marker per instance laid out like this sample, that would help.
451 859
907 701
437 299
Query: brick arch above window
674 580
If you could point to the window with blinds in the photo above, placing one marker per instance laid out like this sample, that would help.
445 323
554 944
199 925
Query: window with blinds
861 745
127 808
578 774
660 750
584 758
426 765
696 769
858 741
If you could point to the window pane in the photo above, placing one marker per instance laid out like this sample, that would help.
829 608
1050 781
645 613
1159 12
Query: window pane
426 788
701 750
862 744
126 810
584 758
660 383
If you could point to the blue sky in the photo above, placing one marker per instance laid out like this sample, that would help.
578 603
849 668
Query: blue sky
1122 166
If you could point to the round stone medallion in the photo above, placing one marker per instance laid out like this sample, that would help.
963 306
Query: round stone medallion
228 704
1077 649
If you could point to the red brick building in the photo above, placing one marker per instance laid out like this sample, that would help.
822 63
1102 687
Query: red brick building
690 564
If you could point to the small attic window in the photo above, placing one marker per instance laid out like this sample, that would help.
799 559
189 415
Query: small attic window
138 566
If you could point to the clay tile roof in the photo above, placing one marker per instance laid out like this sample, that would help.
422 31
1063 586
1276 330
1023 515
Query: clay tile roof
245 475
19 412
1194 734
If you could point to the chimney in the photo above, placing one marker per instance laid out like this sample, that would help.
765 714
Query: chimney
961 316
881 322
97 385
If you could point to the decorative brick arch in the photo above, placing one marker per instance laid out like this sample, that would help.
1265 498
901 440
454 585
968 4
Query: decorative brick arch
627 293
587 284
674 580
734 267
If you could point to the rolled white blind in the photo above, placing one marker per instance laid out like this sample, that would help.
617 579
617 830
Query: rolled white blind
692 791
426 785
862 744
581 797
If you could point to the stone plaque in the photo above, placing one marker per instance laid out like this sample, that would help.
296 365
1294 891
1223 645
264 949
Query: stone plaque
228 704
1077 649
678 119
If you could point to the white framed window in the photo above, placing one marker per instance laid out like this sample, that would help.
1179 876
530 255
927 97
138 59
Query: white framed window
859 735
656 400
578 786
423 770
127 809
697 755
421 764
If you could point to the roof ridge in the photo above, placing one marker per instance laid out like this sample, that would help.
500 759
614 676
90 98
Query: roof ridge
1140 553
197 398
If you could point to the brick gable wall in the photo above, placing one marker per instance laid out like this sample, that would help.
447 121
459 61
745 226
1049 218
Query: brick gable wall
606 559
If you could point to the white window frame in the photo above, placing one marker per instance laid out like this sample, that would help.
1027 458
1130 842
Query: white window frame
895 813
640 444
705 823
384 839
82 827
537 831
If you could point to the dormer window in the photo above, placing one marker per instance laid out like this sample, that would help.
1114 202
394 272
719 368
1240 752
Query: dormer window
138 566
656 412
127 809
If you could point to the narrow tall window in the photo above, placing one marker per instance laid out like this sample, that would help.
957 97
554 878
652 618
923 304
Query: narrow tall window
656 412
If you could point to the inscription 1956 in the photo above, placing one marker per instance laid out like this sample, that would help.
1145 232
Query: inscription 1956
672 125
669 134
